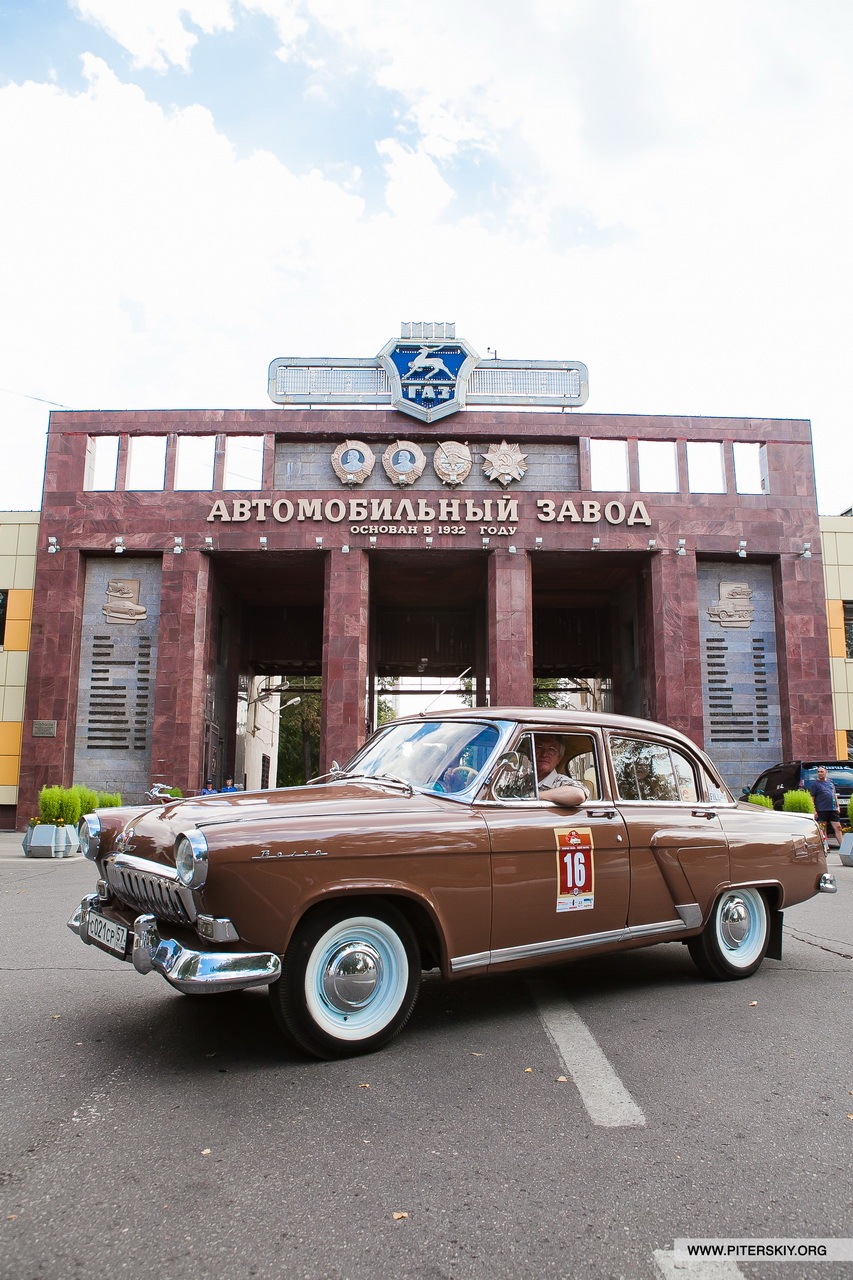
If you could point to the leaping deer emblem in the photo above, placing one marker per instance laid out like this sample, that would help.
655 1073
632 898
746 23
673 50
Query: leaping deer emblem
430 364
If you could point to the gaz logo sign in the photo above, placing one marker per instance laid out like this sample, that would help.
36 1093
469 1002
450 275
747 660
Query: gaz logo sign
575 869
428 378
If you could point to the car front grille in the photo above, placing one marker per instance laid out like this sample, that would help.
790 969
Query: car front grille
150 887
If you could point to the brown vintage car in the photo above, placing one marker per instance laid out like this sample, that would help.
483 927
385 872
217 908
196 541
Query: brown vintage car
472 841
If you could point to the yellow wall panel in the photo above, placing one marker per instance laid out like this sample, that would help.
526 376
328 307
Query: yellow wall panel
10 768
11 735
17 635
19 606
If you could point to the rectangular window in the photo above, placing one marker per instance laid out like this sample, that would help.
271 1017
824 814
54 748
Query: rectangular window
101 464
748 469
705 467
244 462
146 462
194 462
848 627
608 465
658 466
652 772
849 745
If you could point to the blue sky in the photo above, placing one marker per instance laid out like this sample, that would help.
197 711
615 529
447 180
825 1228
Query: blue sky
659 189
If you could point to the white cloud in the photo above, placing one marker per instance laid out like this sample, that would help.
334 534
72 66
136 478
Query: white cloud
671 200
154 32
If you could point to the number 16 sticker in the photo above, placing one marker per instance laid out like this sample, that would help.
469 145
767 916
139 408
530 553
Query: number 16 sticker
575 869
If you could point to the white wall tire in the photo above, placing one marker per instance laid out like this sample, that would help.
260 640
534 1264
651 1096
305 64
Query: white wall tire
349 980
734 941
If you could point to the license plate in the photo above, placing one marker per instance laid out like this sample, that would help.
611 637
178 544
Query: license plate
107 934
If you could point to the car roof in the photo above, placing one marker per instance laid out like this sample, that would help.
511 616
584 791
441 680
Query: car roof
568 719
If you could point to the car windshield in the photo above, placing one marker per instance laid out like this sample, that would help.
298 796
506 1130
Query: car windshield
433 755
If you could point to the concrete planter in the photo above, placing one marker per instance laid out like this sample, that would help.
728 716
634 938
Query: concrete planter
47 841
845 851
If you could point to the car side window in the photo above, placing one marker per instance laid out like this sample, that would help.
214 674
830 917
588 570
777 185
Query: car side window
651 771
548 760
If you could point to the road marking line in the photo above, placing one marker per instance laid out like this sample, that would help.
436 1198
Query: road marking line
672 1267
602 1092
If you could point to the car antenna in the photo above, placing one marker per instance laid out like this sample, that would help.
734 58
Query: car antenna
443 691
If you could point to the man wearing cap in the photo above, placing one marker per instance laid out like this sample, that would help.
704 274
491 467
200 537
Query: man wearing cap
209 789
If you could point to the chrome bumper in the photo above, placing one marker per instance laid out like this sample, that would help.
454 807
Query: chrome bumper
826 884
187 970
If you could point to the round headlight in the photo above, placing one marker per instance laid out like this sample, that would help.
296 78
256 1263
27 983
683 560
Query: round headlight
191 859
89 832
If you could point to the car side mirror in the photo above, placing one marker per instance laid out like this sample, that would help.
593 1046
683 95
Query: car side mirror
567 797
506 775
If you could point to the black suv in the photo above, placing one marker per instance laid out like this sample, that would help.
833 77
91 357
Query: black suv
799 775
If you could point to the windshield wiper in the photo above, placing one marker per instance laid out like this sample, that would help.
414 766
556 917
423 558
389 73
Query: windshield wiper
388 778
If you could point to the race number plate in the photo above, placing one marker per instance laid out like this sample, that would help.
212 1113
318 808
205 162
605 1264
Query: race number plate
106 934
575 869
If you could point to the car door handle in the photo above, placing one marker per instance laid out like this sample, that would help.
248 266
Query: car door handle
704 813
601 813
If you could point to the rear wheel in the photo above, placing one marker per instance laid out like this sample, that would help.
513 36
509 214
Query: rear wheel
348 981
734 941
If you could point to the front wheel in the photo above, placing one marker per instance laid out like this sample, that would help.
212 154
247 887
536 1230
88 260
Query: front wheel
348 982
734 941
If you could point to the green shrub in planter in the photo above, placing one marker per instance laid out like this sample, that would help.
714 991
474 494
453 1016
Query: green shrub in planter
109 800
176 793
88 797
69 806
763 802
798 802
50 805
850 812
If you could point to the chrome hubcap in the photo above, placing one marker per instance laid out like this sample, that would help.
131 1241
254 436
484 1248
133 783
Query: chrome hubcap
734 923
351 975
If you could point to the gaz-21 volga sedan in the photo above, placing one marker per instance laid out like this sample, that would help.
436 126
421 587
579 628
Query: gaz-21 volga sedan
469 841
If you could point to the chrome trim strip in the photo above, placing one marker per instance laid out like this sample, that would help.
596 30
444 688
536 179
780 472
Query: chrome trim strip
691 914
557 946
458 965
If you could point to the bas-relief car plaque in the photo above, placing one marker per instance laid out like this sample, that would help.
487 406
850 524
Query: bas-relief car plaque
733 609
427 373
123 602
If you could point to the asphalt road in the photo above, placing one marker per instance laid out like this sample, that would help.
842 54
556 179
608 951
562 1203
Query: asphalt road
147 1134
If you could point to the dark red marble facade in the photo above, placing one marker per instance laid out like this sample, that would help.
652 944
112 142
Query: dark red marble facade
510 629
774 525
346 613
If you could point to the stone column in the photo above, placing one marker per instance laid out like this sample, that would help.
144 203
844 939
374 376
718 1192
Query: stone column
510 630
183 660
675 684
47 748
346 614
808 727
